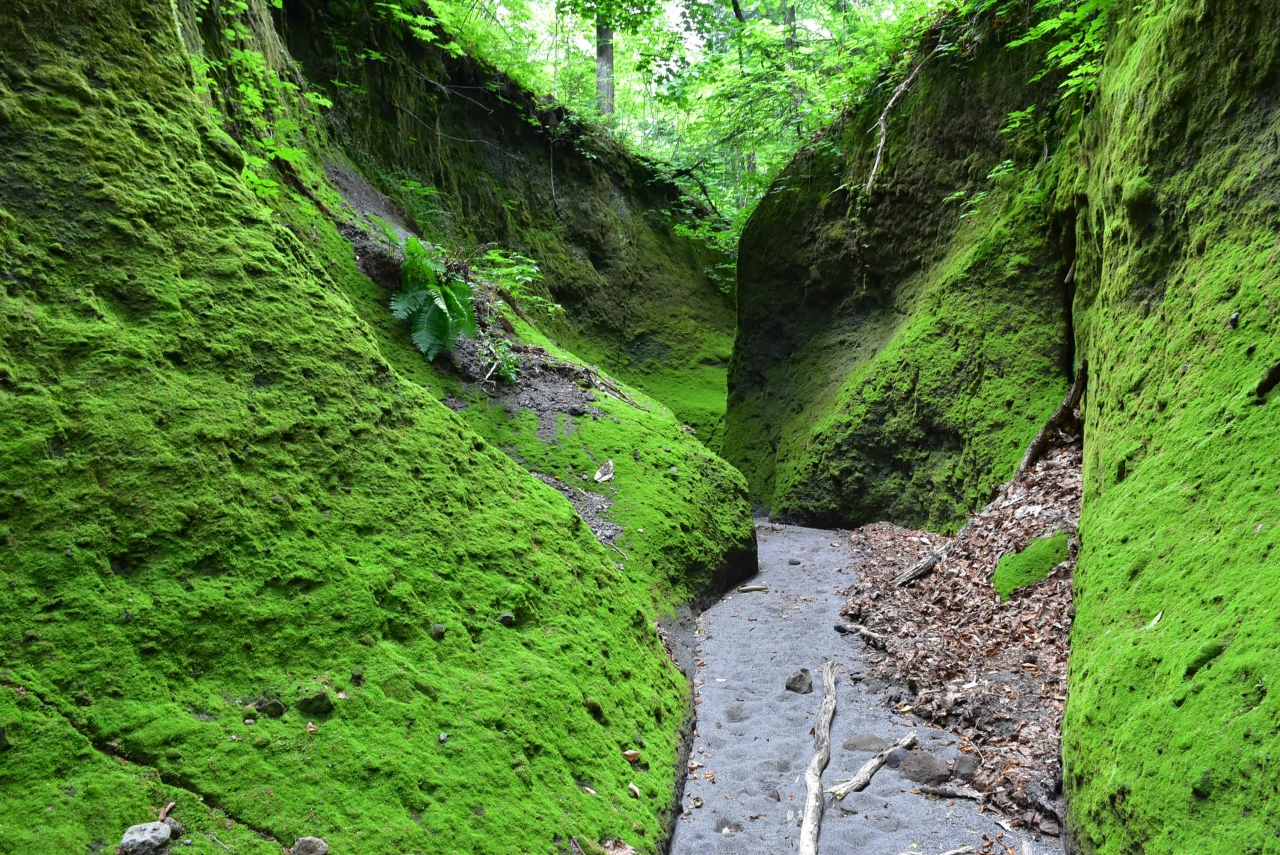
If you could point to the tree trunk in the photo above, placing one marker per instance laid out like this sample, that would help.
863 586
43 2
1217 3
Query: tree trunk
604 66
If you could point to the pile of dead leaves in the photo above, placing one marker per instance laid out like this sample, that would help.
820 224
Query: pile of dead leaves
992 672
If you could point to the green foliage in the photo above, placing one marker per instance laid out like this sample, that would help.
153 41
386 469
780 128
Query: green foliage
1035 562
515 275
435 298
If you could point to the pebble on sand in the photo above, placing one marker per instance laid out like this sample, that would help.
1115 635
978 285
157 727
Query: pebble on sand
801 682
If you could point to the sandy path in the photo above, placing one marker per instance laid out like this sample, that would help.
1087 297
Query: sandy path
754 734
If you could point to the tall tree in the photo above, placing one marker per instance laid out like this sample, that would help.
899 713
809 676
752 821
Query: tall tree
610 16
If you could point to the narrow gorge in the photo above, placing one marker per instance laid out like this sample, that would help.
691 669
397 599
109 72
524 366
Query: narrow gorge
391 461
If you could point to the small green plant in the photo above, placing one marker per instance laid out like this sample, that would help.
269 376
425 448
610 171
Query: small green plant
504 363
515 274
435 297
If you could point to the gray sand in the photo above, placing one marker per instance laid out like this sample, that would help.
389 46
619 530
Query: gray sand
754 735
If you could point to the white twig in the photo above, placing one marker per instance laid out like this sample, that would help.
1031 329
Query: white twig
812 816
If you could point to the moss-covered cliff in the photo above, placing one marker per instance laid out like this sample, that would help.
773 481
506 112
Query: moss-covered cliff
894 362
1171 724
896 356
252 564
512 171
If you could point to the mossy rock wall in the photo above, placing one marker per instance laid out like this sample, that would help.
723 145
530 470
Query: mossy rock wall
514 172
219 489
1170 733
895 355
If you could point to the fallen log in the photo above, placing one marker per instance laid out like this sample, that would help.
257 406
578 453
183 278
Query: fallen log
1056 422
859 781
811 818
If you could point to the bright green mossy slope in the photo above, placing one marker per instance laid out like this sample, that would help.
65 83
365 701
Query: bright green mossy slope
1019 569
600 222
216 488
894 360
1171 731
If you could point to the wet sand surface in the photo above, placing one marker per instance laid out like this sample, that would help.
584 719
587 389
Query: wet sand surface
754 739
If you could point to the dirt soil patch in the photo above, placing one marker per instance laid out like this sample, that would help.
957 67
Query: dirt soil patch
994 673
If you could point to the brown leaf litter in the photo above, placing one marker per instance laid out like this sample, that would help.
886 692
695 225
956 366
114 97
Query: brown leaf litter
994 673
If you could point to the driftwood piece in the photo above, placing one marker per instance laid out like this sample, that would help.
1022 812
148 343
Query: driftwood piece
811 821
1040 444
963 850
859 781
751 589
958 792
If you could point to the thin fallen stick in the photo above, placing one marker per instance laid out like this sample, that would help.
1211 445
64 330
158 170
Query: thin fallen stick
963 850
859 781
811 821
874 639
751 589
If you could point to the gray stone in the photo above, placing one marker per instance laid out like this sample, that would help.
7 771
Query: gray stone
895 758
150 838
923 768
309 846
801 682
794 562
271 708
175 828
507 619
966 767
874 685
864 742
437 631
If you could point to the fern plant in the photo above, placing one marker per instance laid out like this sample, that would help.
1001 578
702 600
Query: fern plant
434 299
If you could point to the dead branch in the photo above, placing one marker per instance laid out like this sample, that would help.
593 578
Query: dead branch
859 781
925 565
883 123
811 820
1056 422
874 639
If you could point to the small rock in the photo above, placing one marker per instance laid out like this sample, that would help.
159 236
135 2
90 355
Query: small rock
801 682
966 767
1049 827
864 742
1248 351
794 562
309 846
175 828
443 738
1234 320
507 619
895 758
923 768
250 722
437 631
874 685
842 629
272 708
318 704
149 838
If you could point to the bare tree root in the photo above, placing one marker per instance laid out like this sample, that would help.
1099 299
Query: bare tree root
883 123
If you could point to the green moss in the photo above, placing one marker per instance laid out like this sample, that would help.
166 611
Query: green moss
1035 562
217 489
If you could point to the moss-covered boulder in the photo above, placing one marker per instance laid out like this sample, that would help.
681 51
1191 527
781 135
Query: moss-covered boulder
251 566
896 352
